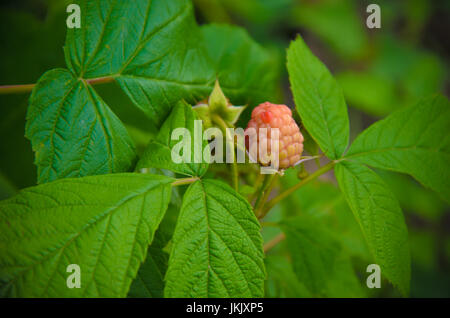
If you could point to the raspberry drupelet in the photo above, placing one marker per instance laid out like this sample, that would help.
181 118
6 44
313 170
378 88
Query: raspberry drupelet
268 115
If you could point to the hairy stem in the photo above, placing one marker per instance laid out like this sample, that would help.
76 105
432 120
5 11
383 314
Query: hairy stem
184 181
292 189
26 88
272 243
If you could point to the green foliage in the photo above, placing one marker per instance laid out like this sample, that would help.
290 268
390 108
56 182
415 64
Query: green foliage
349 39
73 132
102 223
380 217
318 99
413 140
145 234
149 281
124 45
325 202
414 198
249 82
22 33
217 247
368 92
318 259
313 251
158 152
281 279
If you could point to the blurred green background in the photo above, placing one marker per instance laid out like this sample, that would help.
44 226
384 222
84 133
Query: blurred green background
380 70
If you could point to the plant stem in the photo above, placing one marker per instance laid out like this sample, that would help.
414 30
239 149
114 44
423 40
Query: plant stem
292 189
230 144
100 80
184 181
26 88
272 243
258 185
16 89
269 224
268 184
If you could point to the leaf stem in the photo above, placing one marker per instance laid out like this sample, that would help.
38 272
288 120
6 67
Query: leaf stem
184 181
100 80
26 88
272 243
16 89
292 189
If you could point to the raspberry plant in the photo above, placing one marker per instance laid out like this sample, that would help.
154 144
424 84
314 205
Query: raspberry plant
140 225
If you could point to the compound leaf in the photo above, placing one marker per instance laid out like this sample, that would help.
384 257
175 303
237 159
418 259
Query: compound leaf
378 213
318 99
217 246
151 48
413 140
73 132
104 224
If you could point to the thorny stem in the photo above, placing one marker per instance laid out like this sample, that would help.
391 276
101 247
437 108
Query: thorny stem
292 189
184 181
272 243
230 144
26 88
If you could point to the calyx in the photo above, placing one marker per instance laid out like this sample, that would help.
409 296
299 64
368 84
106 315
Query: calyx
217 105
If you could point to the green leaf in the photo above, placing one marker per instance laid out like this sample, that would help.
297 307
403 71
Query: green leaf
337 23
217 246
282 281
373 94
413 140
378 213
313 251
343 281
245 70
102 223
414 198
73 132
7 189
152 49
318 99
149 281
324 201
159 152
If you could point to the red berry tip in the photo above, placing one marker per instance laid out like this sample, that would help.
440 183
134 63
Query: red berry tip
266 116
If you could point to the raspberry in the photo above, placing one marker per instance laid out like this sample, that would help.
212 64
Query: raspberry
268 115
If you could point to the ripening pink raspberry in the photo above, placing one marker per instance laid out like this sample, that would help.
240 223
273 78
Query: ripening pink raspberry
268 115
